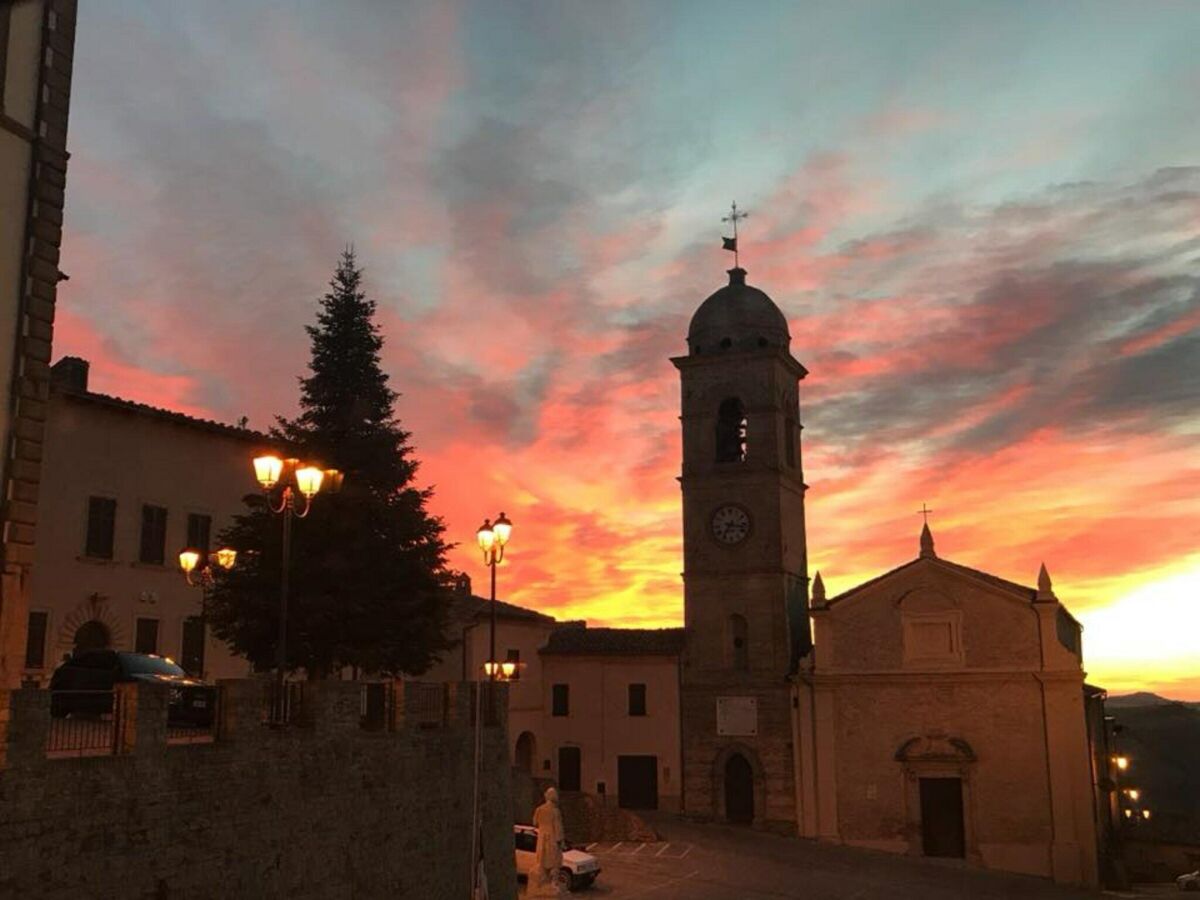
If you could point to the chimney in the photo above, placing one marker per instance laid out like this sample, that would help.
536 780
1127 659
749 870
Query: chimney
70 373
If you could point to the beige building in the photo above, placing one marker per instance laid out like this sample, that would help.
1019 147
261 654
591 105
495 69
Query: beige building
36 48
942 714
127 486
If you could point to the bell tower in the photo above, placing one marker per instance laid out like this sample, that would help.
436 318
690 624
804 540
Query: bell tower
745 563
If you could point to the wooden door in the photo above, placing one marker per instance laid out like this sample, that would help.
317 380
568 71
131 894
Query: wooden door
637 782
568 768
942 828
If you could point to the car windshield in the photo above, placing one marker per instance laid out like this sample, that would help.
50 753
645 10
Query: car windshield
139 664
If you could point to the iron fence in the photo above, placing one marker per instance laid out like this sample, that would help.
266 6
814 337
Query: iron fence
425 704
192 716
286 707
377 702
488 703
84 723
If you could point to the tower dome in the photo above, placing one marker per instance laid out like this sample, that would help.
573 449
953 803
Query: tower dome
737 317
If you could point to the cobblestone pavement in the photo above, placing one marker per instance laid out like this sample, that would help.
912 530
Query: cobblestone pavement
716 862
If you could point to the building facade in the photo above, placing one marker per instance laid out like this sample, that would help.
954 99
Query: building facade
128 486
942 714
37 39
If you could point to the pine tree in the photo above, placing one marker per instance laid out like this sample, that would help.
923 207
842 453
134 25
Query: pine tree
368 563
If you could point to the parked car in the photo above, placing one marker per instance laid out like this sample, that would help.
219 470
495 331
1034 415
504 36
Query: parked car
579 869
82 685
1189 882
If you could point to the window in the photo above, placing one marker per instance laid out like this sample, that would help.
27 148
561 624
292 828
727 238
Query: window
514 657
154 535
739 653
102 516
731 431
198 530
146 640
560 700
637 699
35 640
191 655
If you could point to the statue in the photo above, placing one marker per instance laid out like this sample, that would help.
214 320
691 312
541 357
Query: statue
543 877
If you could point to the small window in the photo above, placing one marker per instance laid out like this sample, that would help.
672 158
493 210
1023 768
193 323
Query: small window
514 657
199 527
637 699
154 535
146 640
35 641
560 700
191 655
739 652
102 516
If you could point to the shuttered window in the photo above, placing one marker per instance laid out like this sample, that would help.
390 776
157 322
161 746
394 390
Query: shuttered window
637 699
102 516
560 700
146 640
35 641
154 535
199 528
192 654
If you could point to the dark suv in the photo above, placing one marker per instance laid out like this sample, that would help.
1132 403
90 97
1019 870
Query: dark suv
83 684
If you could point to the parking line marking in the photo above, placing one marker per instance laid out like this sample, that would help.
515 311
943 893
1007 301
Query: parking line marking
640 848
686 852
660 852
616 845
591 845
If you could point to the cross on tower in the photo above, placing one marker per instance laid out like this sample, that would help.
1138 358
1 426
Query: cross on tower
925 512
732 243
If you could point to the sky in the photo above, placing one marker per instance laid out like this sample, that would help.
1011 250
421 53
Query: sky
981 220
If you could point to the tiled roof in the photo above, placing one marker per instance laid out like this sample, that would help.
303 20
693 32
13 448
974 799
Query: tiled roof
583 641
166 415
474 607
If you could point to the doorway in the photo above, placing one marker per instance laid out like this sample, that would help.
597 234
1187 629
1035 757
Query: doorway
568 768
739 790
525 753
942 828
637 782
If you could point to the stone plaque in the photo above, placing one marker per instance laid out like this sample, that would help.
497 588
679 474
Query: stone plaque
737 716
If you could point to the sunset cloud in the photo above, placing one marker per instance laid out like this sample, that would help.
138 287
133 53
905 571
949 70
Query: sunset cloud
988 263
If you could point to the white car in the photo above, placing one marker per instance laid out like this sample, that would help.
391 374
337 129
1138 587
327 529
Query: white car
578 870
1189 882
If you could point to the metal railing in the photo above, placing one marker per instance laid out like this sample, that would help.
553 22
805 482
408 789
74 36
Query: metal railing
286 708
84 723
489 702
376 706
189 722
425 704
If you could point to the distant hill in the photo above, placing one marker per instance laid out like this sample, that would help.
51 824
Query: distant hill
1144 698
1162 740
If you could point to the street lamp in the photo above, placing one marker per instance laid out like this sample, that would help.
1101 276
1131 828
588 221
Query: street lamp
297 484
198 569
492 538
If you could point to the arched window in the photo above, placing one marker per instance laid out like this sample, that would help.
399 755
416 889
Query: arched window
92 635
731 431
739 652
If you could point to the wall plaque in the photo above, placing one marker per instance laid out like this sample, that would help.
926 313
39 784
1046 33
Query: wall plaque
737 716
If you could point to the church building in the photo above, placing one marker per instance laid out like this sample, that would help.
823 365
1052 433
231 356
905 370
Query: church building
935 710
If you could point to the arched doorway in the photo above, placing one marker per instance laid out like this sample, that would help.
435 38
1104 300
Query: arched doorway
92 635
739 790
526 752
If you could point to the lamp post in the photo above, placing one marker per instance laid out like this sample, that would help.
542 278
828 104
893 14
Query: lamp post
198 568
297 484
492 537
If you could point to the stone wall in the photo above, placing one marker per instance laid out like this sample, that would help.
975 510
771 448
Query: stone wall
320 811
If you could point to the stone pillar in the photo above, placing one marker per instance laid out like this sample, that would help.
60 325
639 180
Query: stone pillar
28 727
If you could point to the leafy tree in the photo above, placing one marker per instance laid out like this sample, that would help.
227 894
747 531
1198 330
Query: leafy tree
368 578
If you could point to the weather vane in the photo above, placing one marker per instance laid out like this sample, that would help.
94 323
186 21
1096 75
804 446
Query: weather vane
732 243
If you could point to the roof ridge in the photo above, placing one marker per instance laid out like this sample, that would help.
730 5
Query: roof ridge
161 412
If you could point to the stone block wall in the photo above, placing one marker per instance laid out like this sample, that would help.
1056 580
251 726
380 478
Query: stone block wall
327 810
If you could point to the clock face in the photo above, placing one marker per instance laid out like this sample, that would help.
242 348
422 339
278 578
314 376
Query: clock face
730 524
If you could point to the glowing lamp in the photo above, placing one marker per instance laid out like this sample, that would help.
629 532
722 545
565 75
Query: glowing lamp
1133 793
486 536
267 470
1129 813
490 668
508 668
1122 762
188 560
1145 813
502 530
333 480
309 479
226 557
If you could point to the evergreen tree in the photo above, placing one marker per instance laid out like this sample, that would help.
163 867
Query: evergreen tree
368 577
